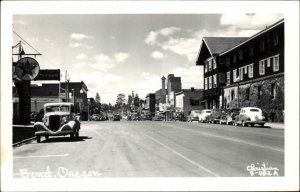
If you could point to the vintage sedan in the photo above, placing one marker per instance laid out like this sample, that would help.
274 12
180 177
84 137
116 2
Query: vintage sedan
59 119
250 116
194 115
203 115
229 116
215 116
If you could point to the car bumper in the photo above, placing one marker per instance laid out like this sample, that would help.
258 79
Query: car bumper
255 122
68 128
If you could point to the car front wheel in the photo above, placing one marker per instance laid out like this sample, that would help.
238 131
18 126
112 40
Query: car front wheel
38 138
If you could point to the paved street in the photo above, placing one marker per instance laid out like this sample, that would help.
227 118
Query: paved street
154 149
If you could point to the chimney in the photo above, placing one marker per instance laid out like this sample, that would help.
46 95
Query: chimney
163 83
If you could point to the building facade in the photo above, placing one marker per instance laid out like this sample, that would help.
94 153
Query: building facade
55 92
150 104
188 100
252 73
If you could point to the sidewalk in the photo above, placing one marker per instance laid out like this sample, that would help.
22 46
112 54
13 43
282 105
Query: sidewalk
275 125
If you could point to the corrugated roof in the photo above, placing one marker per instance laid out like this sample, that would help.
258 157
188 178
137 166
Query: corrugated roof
217 45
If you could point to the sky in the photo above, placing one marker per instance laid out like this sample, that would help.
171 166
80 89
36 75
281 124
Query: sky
121 53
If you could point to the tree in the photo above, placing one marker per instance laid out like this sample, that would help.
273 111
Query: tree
97 98
136 100
98 104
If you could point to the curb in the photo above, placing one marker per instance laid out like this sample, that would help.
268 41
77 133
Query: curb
25 141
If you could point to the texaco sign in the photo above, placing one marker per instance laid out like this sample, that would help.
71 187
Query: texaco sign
27 68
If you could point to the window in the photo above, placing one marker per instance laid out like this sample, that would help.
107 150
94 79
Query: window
194 102
227 61
258 92
214 63
262 45
273 91
234 57
228 78
275 39
234 75
221 60
247 93
268 62
250 50
215 81
205 83
241 73
209 64
205 67
246 69
261 67
276 63
210 82
241 54
232 94
250 74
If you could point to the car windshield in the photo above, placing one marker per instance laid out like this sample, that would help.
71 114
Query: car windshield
208 111
57 108
254 110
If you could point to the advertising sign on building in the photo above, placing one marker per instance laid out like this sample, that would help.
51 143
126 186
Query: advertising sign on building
48 74
27 69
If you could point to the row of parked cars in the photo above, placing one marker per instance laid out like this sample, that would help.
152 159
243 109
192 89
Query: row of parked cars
104 117
244 116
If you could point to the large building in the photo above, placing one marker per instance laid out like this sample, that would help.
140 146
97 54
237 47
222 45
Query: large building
188 100
150 104
249 73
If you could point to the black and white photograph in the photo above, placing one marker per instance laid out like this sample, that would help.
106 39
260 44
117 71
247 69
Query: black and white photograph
109 96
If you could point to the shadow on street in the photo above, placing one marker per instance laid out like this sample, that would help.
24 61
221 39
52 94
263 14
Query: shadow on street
66 139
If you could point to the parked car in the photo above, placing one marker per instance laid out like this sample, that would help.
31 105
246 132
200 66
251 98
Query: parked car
179 116
158 117
229 116
215 116
116 117
194 116
250 116
59 119
135 117
203 115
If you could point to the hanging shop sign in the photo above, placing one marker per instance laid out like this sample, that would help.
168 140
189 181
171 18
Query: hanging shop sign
27 68
48 74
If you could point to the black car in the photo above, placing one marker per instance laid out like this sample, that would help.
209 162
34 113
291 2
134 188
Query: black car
116 118
180 117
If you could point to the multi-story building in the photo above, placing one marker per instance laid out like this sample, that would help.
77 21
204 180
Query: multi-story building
188 100
160 95
252 73
150 103
214 72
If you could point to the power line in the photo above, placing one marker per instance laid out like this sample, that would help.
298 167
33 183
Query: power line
26 42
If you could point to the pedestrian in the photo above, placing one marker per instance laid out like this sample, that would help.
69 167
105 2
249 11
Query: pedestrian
39 117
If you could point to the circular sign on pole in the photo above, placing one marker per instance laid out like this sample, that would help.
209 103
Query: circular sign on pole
27 68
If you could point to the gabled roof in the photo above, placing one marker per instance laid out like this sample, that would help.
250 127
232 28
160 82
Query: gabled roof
256 35
215 45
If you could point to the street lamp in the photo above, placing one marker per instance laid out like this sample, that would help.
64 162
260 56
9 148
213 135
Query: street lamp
81 103
73 97
238 91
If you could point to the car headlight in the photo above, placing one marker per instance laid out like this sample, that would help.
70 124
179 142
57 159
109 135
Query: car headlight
64 119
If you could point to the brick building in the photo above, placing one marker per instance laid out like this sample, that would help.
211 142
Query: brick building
188 100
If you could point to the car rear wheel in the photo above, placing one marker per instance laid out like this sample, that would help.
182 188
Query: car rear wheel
46 137
262 124
72 135
38 138
77 134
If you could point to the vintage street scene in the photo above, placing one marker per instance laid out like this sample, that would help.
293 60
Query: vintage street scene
148 95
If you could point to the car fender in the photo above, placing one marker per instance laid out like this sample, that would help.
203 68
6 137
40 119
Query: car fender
39 126
69 125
